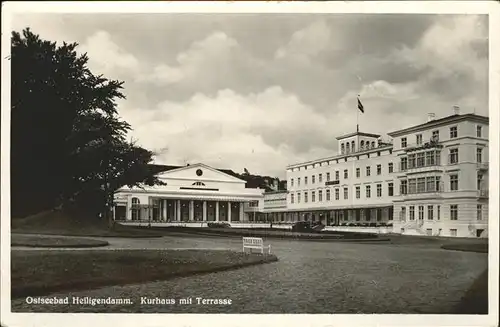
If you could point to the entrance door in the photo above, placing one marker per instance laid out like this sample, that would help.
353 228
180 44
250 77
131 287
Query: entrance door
120 212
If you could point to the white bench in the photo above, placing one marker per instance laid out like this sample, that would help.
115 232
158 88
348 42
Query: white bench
255 243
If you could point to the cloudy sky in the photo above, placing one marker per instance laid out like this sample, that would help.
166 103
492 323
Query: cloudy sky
264 91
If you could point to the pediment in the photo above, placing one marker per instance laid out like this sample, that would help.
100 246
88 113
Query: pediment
199 172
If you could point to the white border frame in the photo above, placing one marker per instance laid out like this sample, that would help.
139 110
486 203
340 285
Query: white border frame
445 7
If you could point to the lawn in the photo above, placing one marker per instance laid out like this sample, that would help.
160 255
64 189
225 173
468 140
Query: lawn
58 222
41 272
54 241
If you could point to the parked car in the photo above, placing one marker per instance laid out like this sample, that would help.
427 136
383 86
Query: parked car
221 224
302 226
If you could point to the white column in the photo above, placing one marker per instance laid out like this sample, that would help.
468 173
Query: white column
128 214
191 210
204 210
228 211
178 210
165 203
241 212
216 210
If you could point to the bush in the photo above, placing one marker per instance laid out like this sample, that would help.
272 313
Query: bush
219 225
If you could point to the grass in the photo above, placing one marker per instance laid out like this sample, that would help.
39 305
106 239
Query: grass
467 247
54 241
58 222
42 272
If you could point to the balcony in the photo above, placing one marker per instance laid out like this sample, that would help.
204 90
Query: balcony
482 165
439 188
409 167
423 146
483 193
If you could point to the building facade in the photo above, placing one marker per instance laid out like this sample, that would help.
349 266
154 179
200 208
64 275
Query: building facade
442 177
194 193
355 186
428 179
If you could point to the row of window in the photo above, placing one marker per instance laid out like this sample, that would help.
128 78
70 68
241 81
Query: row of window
435 135
297 196
430 212
433 184
348 147
433 158
337 175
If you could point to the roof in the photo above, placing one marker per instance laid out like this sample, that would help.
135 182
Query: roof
358 133
436 122
163 168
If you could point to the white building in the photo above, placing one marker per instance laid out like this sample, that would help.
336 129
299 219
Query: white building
191 193
442 177
354 186
431 179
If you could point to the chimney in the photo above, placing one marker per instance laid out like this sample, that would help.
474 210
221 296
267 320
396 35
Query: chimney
431 116
456 110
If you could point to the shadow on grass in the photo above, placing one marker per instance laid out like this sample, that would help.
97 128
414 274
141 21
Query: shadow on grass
471 247
475 300
54 241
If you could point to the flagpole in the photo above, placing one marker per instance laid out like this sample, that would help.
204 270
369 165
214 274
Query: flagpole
357 117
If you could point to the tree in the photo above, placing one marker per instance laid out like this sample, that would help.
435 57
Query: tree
68 144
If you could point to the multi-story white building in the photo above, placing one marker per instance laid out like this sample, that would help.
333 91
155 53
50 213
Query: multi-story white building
355 186
430 179
442 177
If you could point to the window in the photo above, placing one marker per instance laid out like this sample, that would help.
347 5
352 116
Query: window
298 181
453 232
368 171
429 158
346 193
411 161
438 211
136 211
429 231
453 157
327 195
404 164
391 167
454 182
379 190
298 197
421 159
431 184
421 212
421 185
404 187
313 196
402 214
313 179
403 142
412 186
327 177
373 144
479 212
198 184
419 139
479 131
390 189
291 182
291 198
347 147
412 212
430 212
454 212
479 155
479 181
358 172
379 214
368 191
342 150
320 196
453 132
305 180
435 135
353 146
358 192
337 175
306 198
379 169
337 192
346 174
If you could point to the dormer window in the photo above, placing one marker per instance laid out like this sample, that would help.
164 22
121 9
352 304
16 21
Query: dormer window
198 184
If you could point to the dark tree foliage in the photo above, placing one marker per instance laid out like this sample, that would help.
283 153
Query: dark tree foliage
68 144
